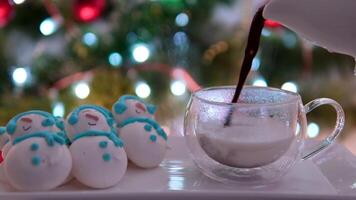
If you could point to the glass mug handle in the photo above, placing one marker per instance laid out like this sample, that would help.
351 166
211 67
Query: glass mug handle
340 122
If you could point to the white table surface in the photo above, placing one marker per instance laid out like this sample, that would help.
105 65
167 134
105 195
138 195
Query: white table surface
331 175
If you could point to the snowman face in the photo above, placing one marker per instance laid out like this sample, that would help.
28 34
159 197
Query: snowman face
28 124
88 119
134 109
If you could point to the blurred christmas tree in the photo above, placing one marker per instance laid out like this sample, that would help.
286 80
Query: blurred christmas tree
56 54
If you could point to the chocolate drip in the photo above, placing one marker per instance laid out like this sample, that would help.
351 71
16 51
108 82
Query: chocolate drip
251 49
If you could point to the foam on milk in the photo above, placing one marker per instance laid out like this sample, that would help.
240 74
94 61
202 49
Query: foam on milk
252 142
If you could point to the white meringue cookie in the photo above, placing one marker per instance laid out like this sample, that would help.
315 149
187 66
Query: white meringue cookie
99 159
145 142
98 163
33 165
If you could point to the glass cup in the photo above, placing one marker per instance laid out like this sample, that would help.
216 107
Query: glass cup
254 141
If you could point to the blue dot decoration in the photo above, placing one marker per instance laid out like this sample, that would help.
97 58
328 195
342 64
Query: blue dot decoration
120 143
106 157
36 160
120 108
153 138
103 144
48 122
148 128
34 147
151 109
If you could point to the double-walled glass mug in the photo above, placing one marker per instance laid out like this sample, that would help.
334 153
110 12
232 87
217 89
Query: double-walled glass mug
256 140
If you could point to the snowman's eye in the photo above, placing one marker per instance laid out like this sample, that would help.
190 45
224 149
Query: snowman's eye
140 106
26 119
92 117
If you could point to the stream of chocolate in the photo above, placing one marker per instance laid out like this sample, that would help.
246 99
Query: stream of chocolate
251 49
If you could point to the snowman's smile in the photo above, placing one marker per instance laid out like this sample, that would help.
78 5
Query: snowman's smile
26 128
91 124
27 121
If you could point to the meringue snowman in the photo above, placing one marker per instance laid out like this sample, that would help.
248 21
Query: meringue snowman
6 149
5 142
38 158
145 141
4 139
99 159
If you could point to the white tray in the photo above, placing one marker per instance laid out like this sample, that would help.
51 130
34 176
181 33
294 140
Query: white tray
331 175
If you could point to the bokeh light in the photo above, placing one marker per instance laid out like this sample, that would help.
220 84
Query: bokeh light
18 1
180 38
58 109
290 86
260 82
140 52
82 90
313 130
48 26
142 90
255 64
266 32
89 39
115 59
182 19
178 88
20 76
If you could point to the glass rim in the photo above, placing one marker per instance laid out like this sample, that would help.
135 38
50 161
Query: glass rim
295 96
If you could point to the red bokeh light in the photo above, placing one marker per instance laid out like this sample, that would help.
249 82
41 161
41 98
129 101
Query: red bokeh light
88 10
272 24
87 13
5 12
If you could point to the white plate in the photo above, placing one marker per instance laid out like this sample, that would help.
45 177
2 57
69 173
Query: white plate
328 176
